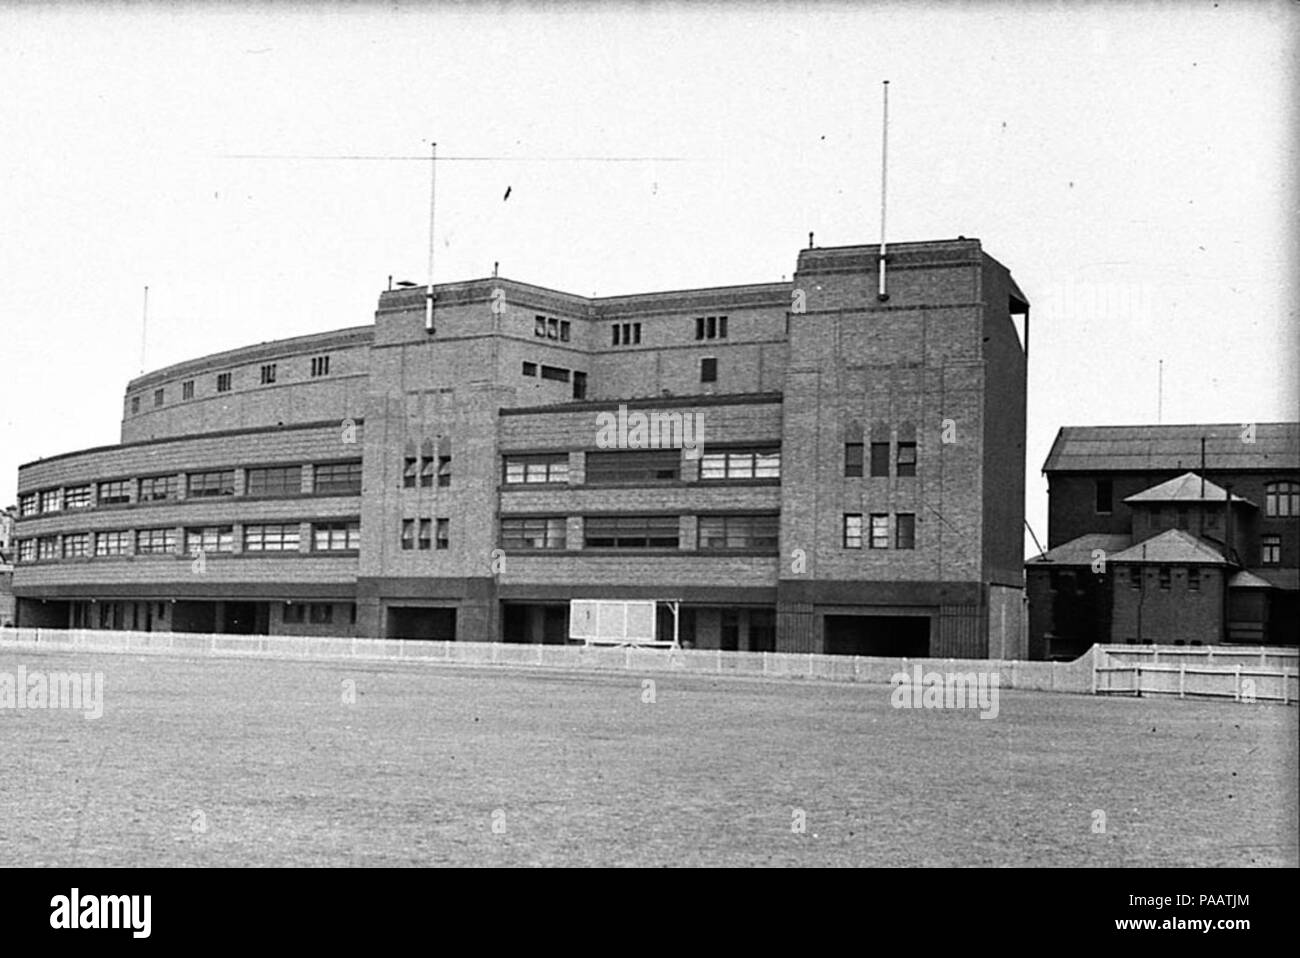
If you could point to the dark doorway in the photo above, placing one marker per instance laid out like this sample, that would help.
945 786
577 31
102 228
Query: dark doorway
882 635
762 630
419 622
514 623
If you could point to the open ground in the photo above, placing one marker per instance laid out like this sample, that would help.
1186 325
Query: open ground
206 762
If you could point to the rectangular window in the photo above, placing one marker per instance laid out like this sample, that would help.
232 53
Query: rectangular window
155 541
906 463
1193 579
760 463
879 531
853 530
158 397
76 497
853 459
337 479
880 459
210 539
52 500
157 489
1104 493
615 331
905 530
711 327
539 326
26 550
272 537
223 382
1135 577
709 370
409 466
565 330
632 532
187 389
555 374
28 505
722 327
115 492
408 534
426 472
320 366
444 471
699 327
321 613
533 533
443 540
530 369
47 547
336 536
426 534
1282 499
546 468
76 545
552 329
579 385
218 482
738 532
1166 577
268 374
112 543
135 405
274 481
295 613
635 466
1270 550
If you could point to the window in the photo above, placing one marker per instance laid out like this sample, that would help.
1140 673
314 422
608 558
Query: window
444 471
615 330
1282 499
1182 517
738 532
295 614
632 532
1105 494
223 382
762 463
426 472
533 533
155 541
853 459
112 543
711 327
47 547
337 479
579 385
28 504
274 481
157 489
426 534
51 500
530 369
219 482
709 370
1193 579
408 534
565 330
539 326
537 469
626 334
187 389
268 374
320 366
158 397
905 530
76 497
1135 577
321 613
76 545
555 374
879 531
26 550
552 329
1166 577
271 537
336 536
112 493
637 466
906 463
409 466
722 327
853 530
444 534
210 539
1270 550
135 405
880 459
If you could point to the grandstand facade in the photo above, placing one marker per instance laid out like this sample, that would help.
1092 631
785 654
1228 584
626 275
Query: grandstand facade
854 482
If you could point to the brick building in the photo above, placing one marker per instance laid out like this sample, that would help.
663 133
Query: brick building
1185 534
858 488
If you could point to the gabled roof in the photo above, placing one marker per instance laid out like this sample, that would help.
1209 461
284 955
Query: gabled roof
1173 546
1245 580
1156 448
1079 551
1189 487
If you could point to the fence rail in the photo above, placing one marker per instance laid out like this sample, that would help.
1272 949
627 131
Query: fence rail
1244 675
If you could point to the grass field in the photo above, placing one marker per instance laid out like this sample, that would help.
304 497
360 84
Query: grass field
242 762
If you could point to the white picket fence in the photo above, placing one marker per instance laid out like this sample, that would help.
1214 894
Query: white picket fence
1241 674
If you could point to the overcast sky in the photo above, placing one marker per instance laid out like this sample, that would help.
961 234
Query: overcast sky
1133 167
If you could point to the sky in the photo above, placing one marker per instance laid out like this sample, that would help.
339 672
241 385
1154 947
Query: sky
262 170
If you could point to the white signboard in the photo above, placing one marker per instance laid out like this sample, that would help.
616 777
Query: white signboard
612 621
